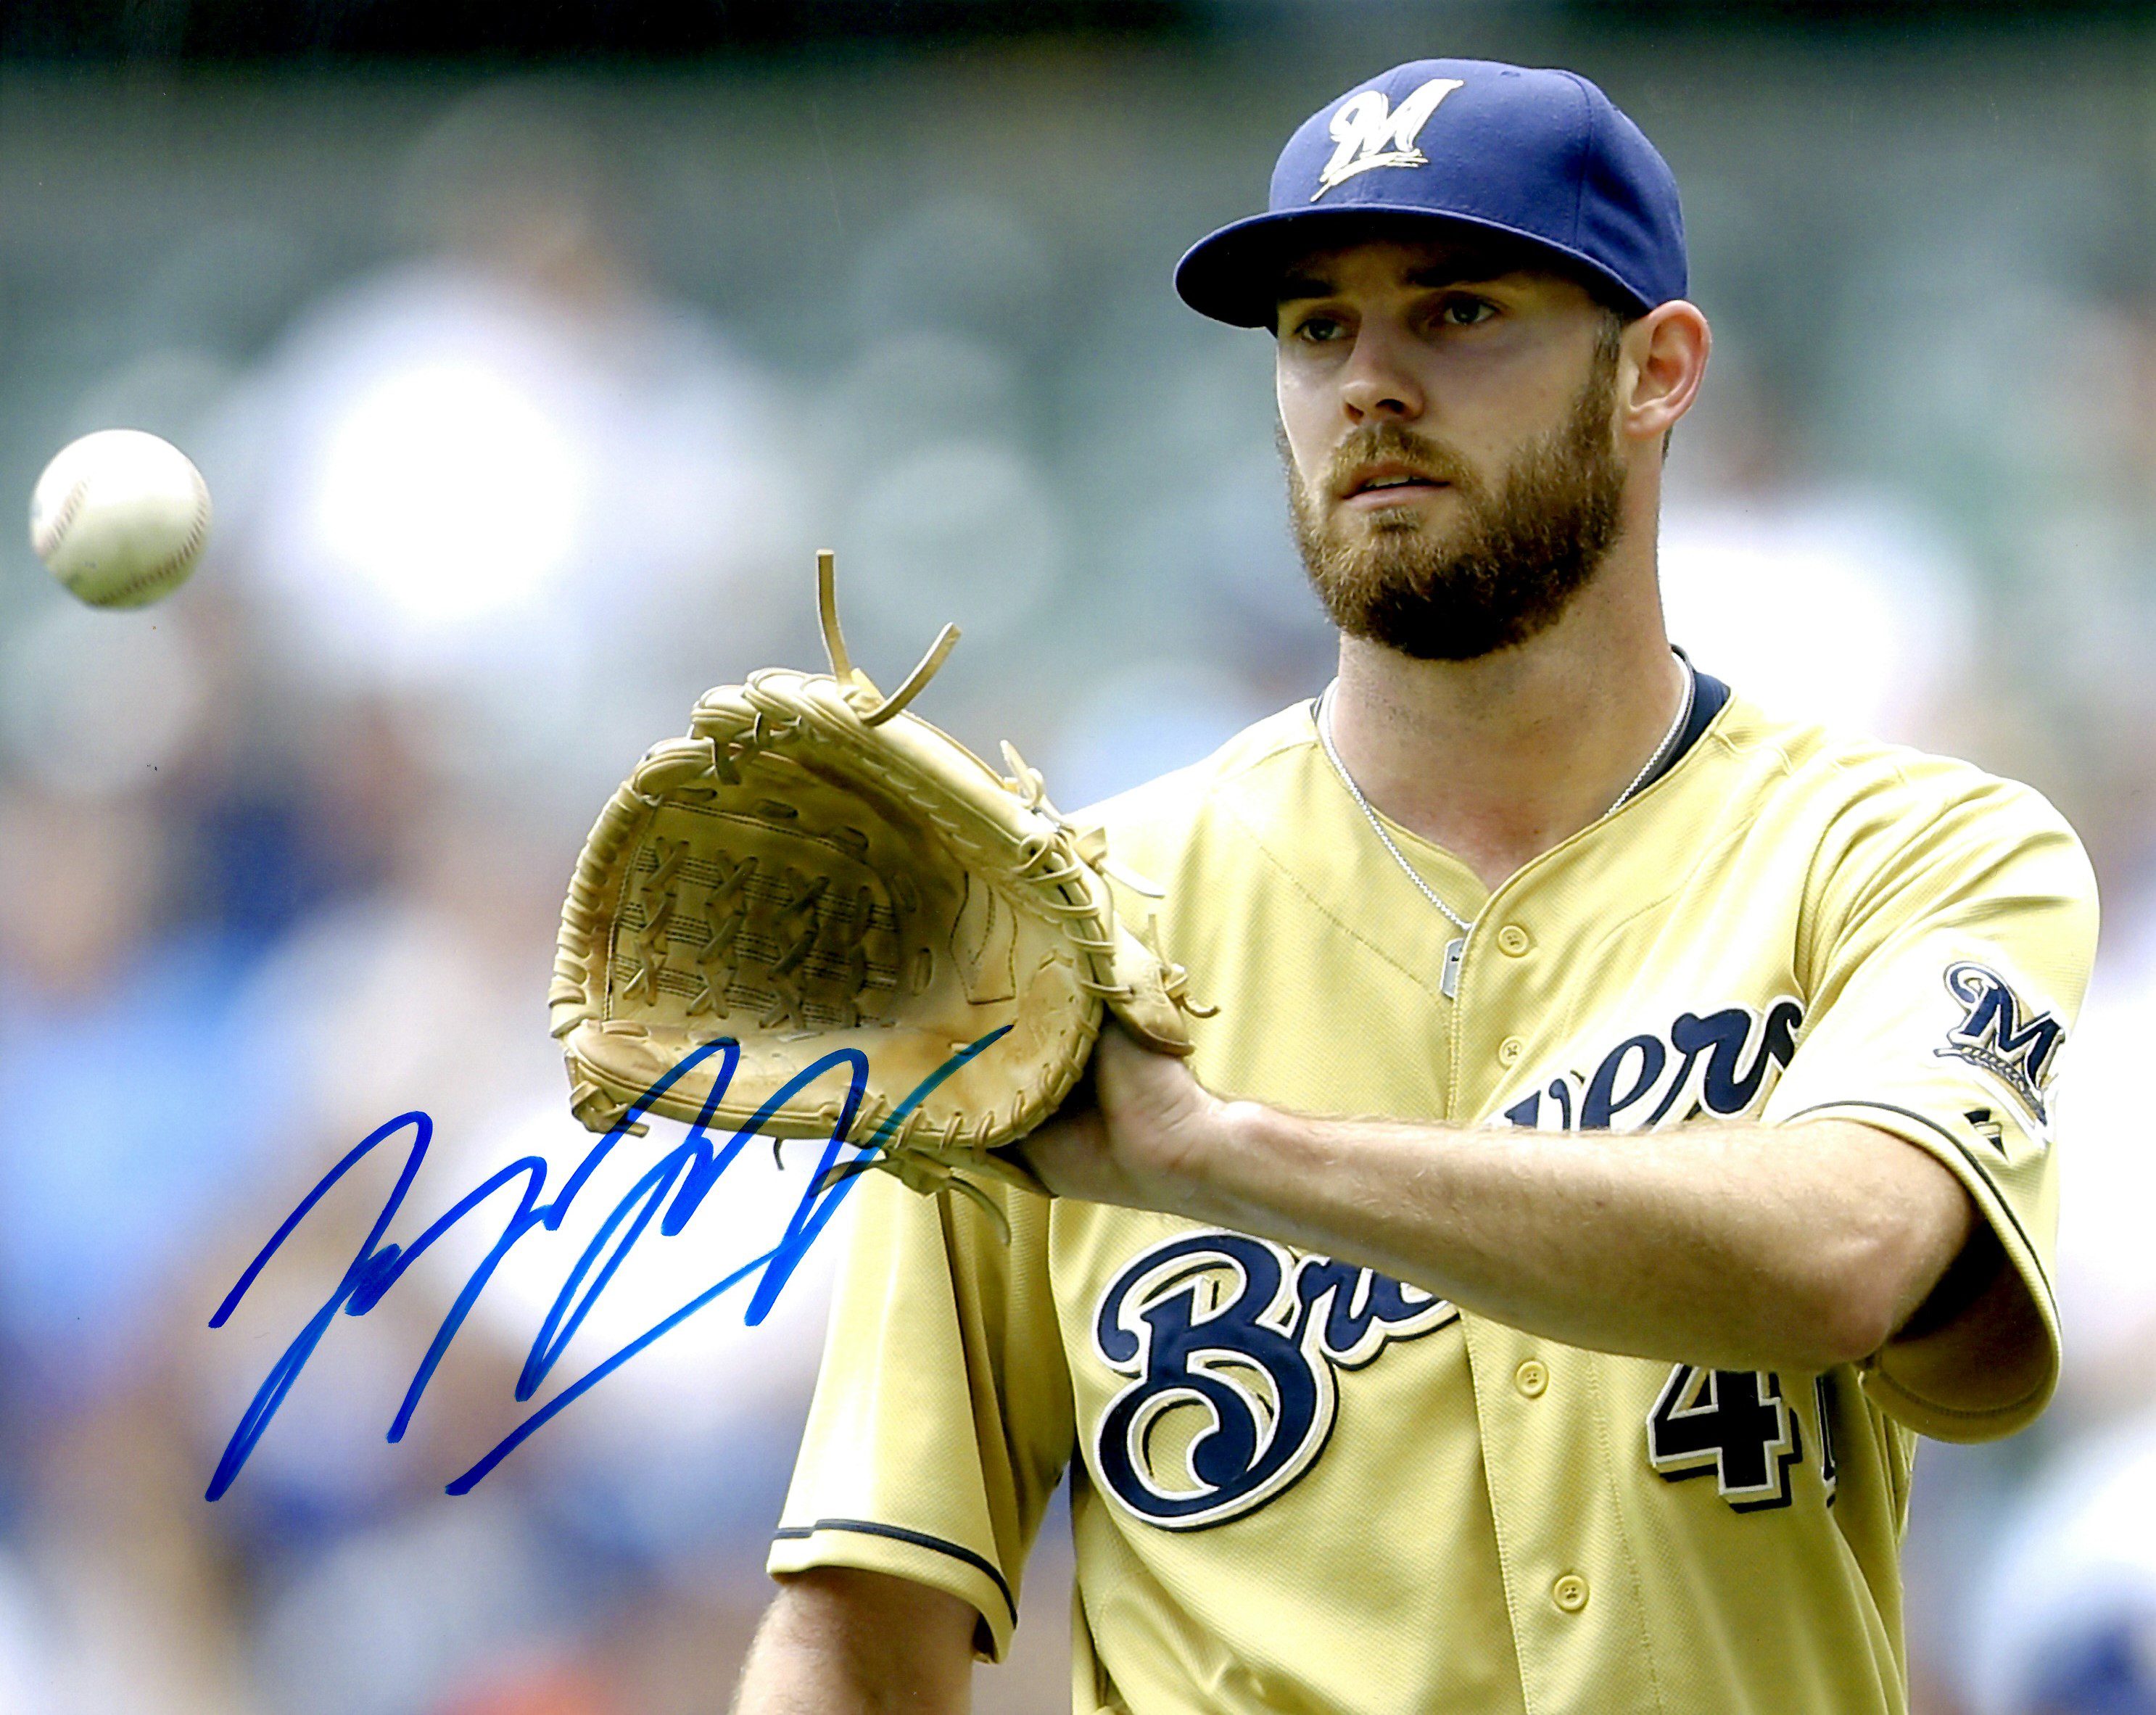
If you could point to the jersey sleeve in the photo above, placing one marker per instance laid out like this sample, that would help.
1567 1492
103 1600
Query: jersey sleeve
1954 931
942 1416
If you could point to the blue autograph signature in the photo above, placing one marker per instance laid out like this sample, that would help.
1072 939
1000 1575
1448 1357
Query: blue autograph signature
687 1172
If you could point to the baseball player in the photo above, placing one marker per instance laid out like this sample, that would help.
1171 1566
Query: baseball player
1627 1122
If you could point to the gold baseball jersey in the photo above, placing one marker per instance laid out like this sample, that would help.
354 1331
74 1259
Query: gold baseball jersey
1299 1486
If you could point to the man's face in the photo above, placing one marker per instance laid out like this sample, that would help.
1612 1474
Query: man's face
1446 419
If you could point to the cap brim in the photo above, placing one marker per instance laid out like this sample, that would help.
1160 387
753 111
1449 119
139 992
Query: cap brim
1233 274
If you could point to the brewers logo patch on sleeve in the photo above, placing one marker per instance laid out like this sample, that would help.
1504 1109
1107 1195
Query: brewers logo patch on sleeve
2002 1036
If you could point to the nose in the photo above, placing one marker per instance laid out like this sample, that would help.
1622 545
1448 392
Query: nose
1378 382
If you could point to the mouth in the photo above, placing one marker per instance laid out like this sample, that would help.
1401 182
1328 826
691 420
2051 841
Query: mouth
1387 484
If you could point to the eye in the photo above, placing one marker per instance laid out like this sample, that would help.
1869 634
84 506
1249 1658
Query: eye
1464 311
1320 330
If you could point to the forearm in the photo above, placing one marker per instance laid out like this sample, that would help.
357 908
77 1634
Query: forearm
840 1642
1738 1247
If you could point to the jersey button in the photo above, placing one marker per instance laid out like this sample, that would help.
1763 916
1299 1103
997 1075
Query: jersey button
1510 1050
1513 939
1569 1593
1532 1378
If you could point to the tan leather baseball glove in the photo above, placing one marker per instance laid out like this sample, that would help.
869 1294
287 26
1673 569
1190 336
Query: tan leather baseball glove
812 867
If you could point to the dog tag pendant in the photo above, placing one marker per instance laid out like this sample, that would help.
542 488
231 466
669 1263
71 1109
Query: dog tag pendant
1448 980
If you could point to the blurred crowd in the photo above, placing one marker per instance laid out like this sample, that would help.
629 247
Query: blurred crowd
512 457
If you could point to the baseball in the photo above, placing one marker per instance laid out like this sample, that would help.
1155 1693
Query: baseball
119 517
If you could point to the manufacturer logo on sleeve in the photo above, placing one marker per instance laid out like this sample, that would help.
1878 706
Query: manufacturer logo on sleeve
1992 1036
1371 132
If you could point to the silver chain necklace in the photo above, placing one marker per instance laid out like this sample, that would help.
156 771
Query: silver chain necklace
1456 950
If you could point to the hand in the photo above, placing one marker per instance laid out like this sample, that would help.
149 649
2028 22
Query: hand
1136 1133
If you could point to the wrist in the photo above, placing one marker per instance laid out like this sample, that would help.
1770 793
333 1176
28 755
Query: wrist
1207 1175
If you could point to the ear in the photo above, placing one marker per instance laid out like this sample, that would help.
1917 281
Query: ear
1664 358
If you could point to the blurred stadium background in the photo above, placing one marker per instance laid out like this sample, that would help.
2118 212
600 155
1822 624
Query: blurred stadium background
530 352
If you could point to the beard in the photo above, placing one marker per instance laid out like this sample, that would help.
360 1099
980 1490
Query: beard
1519 552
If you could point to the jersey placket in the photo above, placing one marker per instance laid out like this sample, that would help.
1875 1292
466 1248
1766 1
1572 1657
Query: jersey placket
1571 1581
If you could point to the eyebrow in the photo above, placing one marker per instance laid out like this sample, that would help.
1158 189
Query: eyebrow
1297 288
1492 267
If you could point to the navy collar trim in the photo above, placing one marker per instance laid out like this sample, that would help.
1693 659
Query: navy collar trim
1708 697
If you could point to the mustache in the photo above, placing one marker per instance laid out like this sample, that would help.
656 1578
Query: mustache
1377 441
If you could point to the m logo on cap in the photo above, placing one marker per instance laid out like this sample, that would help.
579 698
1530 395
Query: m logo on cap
1371 133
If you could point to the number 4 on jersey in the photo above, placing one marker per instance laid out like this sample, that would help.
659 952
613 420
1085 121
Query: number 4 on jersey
1732 1422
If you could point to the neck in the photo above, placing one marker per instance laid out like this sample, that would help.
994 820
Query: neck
1499 759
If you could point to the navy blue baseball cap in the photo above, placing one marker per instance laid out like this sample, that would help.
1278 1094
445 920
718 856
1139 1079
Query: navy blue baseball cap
1540 156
